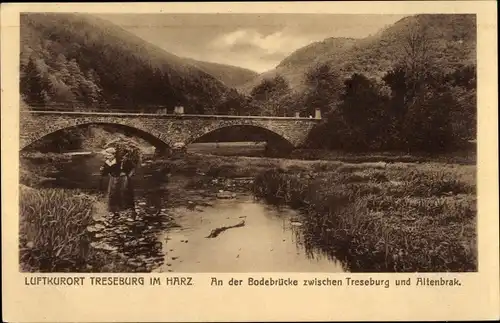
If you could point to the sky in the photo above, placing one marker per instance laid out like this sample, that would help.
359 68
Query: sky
254 41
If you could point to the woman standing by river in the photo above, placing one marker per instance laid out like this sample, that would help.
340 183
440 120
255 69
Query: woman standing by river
120 166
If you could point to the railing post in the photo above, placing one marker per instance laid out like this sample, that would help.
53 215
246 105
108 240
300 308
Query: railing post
317 114
297 114
179 110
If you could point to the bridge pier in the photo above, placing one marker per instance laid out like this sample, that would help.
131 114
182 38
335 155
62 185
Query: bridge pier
162 151
277 148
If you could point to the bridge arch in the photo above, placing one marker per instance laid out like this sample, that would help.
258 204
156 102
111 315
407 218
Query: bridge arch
267 129
145 134
248 133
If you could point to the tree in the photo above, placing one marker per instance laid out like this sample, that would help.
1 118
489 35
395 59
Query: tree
233 103
417 59
267 96
324 87
91 92
32 84
75 79
428 126
268 88
363 107
462 86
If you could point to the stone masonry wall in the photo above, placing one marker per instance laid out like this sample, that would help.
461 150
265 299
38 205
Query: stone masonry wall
160 128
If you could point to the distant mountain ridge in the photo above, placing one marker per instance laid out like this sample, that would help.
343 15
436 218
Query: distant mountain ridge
231 76
453 38
316 51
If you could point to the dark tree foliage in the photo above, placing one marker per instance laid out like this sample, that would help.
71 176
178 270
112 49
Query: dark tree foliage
324 87
34 85
233 103
84 62
440 116
420 103
270 97
63 140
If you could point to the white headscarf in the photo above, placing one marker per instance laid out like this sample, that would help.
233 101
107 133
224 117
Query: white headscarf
109 154
110 150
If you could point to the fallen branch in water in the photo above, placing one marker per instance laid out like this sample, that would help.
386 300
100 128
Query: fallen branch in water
217 231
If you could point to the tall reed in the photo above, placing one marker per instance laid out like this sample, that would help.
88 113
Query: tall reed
53 234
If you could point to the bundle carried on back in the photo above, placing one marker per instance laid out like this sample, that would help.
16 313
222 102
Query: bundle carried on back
127 151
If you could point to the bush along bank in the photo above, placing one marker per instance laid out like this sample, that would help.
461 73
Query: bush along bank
401 218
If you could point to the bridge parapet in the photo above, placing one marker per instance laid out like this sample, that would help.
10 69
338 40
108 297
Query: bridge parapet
163 116
161 128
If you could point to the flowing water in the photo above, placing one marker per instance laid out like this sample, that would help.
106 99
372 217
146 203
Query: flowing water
268 241
253 237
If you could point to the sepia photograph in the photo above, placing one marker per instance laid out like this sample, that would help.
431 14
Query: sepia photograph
332 143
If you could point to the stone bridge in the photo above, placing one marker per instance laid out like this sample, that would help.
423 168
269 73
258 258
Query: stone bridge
162 129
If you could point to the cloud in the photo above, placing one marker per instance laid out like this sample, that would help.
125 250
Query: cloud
257 49
258 42
278 42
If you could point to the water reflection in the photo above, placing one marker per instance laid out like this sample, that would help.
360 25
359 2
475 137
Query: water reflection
271 239
267 242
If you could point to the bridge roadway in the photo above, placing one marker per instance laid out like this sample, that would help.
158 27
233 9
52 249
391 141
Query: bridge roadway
162 129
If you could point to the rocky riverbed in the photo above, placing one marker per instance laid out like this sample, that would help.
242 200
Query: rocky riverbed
133 236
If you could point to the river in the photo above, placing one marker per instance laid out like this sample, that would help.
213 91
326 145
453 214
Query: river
260 237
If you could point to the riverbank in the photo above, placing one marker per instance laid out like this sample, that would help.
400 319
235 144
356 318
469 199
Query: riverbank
379 218
466 156
374 216
70 230
53 233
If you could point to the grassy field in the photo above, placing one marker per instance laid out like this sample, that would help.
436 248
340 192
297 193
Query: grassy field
228 148
462 157
257 149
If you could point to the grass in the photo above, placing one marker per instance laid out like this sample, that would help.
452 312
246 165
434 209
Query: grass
463 157
53 233
40 158
218 166
53 229
399 218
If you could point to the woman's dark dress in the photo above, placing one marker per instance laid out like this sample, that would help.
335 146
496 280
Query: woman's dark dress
120 186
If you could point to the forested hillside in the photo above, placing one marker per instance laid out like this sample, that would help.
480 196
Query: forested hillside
412 86
80 61
293 67
451 43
